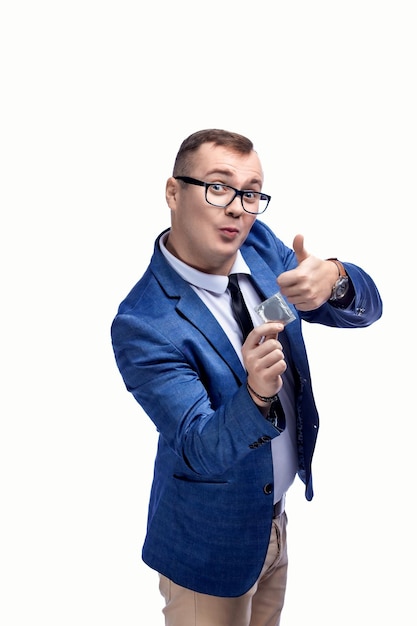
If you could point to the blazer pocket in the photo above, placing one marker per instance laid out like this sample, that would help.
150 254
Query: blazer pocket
201 480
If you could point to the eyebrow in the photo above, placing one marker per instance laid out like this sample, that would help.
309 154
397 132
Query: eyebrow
229 173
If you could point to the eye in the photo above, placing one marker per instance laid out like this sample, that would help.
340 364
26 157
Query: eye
219 188
251 196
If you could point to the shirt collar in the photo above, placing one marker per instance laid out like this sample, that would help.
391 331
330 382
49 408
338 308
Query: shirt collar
210 282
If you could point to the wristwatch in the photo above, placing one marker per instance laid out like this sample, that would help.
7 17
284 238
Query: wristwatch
341 286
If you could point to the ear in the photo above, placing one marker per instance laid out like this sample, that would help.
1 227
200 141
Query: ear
171 192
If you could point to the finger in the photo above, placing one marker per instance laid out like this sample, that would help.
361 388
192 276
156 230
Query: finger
298 247
268 329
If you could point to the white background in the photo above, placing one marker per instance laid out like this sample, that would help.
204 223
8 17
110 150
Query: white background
95 99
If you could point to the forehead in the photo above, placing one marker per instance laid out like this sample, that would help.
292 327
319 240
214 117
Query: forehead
210 158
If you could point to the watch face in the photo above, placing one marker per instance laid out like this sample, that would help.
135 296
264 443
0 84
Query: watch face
341 287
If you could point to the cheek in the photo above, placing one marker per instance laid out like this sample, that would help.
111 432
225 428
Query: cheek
193 224
196 219
248 223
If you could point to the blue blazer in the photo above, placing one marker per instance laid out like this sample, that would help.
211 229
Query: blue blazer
211 500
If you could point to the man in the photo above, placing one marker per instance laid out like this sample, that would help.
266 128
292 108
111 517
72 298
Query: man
236 417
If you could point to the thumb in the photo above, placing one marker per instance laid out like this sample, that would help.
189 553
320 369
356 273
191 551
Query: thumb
298 247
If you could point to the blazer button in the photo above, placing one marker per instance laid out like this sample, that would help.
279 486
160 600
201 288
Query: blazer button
268 489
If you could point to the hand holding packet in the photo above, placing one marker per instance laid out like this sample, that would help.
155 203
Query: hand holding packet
275 309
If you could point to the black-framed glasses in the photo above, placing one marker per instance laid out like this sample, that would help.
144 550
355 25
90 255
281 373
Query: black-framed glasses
220 195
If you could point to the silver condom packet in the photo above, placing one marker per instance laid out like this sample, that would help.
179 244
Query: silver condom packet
275 309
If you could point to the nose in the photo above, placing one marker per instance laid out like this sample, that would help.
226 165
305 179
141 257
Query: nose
235 208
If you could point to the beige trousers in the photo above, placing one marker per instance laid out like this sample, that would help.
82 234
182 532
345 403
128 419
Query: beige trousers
260 606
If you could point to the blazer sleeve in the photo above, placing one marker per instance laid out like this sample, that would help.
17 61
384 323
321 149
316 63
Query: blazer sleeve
210 422
365 308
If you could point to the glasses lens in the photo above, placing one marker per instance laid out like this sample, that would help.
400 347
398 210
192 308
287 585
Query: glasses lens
222 195
254 202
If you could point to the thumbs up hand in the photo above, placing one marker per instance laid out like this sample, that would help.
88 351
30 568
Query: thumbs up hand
310 284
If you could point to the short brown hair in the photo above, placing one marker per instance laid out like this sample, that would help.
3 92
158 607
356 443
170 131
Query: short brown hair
234 141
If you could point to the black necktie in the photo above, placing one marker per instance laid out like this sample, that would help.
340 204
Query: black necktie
243 318
239 308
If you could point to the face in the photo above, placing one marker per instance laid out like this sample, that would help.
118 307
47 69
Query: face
204 236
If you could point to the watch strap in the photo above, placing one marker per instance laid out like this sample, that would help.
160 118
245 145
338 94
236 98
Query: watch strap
338 300
339 265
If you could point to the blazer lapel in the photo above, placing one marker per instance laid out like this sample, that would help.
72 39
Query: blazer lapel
191 307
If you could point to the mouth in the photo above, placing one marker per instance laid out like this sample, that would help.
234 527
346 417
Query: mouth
230 231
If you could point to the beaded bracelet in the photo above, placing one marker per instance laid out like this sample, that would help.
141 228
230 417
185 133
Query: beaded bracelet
263 398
